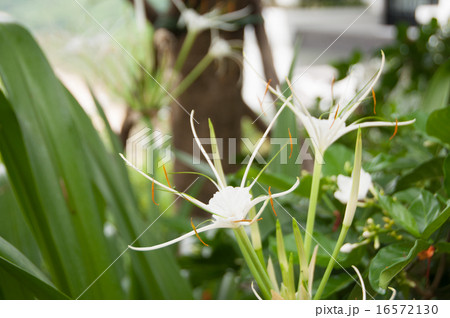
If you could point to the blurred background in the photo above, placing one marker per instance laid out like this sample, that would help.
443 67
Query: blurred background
110 53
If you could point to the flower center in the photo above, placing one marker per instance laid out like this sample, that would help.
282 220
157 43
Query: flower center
231 202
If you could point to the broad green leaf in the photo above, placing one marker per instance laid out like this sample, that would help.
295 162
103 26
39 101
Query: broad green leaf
443 247
437 125
436 223
429 170
30 277
446 169
390 260
425 209
400 215
437 94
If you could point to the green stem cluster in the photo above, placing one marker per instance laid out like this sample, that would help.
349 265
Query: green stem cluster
253 262
331 262
312 205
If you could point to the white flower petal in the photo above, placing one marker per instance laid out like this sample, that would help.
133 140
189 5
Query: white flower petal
181 194
183 237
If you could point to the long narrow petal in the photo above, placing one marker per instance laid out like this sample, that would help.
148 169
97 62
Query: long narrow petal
352 127
261 141
261 210
366 90
181 194
178 239
275 195
219 181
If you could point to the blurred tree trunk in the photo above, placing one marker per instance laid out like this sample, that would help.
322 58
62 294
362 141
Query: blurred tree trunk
216 94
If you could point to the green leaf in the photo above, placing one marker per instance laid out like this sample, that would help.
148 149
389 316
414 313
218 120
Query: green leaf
446 169
30 277
335 284
67 184
425 209
400 215
443 247
437 125
335 158
390 260
436 223
437 94
429 170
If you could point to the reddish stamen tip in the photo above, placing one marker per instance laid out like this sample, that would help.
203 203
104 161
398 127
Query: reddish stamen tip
290 140
167 178
196 233
153 193
335 116
264 97
395 130
374 102
271 203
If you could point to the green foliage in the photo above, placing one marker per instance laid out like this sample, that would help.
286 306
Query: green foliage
390 260
69 187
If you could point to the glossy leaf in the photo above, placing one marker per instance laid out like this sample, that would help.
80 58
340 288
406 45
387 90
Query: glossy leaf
437 125
390 260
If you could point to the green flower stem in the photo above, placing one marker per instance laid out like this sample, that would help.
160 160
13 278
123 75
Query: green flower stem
312 206
331 262
185 49
193 75
256 238
257 270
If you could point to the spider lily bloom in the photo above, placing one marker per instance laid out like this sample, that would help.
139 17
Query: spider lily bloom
229 206
345 184
324 132
195 22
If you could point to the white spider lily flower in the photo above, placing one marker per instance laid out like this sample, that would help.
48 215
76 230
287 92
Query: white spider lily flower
195 22
324 132
229 206
345 185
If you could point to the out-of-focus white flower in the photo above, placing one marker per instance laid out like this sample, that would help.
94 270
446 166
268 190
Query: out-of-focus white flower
345 184
229 206
325 131
196 22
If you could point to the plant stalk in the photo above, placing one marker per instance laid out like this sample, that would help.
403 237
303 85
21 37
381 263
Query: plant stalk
253 262
312 206
331 262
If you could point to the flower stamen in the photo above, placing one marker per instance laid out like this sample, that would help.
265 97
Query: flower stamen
374 102
167 178
153 193
196 233
271 202
395 130
264 97
290 141
335 116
